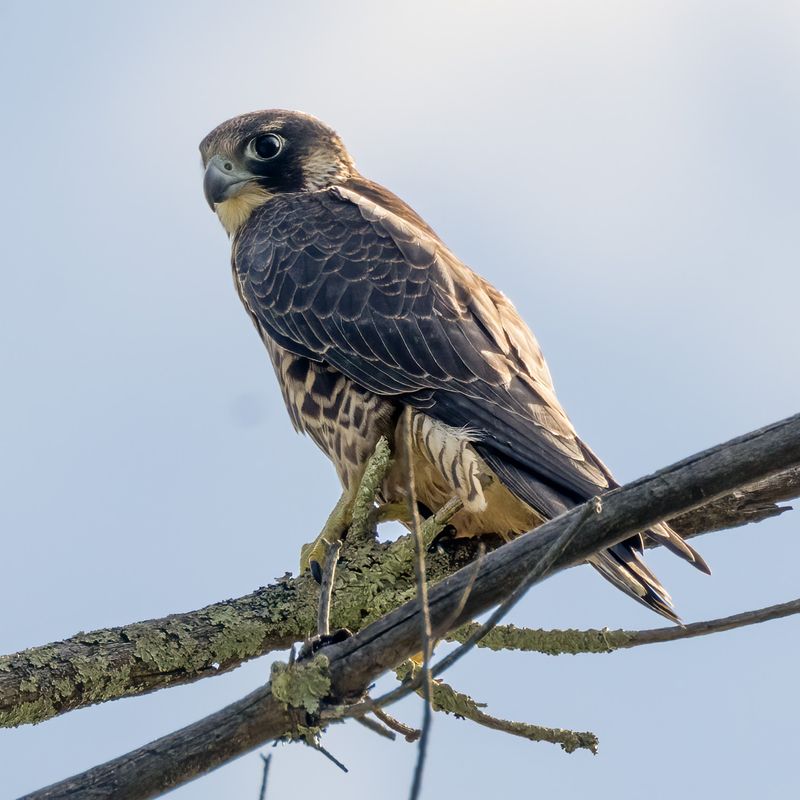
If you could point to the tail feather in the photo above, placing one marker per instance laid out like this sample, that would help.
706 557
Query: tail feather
622 564
663 534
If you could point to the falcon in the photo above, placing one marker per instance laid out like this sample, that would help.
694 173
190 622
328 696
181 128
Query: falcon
366 313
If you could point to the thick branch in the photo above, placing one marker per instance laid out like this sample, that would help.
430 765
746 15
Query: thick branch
107 664
357 661
752 503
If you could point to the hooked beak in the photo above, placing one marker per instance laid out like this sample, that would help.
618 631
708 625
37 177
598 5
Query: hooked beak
223 180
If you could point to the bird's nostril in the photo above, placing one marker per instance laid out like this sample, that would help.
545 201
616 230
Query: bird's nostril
228 166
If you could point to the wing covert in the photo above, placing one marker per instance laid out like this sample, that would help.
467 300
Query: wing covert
337 277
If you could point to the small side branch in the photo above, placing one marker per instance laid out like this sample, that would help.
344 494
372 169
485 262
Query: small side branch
450 701
447 699
376 727
753 503
559 642
266 761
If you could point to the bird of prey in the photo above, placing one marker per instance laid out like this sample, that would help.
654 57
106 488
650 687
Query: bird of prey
366 312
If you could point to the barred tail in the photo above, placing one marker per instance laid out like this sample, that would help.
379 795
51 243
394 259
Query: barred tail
624 566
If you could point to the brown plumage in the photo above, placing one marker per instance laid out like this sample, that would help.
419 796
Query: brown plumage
365 311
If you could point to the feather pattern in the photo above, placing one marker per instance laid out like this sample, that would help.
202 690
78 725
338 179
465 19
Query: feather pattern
350 281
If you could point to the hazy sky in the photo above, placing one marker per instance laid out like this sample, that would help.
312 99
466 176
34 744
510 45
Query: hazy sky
626 172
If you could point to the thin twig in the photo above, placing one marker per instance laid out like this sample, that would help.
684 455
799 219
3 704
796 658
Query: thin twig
326 588
376 727
465 706
558 642
406 731
327 753
262 794
569 740
715 625
422 596
450 701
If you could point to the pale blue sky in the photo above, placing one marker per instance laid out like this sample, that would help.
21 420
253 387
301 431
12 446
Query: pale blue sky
626 172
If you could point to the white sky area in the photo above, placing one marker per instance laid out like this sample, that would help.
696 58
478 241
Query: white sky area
626 172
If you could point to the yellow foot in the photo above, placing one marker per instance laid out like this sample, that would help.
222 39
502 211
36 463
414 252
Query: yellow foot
312 555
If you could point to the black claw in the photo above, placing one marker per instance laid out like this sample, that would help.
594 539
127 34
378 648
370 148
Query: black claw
423 510
316 571
443 538
312 646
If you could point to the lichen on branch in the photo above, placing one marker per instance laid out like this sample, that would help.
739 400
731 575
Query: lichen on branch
373 578
302 684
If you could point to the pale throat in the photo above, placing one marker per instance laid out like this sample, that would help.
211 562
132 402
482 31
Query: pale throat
234 212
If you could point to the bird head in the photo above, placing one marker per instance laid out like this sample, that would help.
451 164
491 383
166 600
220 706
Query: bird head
254 157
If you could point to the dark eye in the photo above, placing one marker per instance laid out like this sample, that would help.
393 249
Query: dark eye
266 146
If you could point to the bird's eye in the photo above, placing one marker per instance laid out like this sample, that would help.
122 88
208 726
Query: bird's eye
266 146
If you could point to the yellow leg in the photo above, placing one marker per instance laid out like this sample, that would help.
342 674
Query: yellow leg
335 528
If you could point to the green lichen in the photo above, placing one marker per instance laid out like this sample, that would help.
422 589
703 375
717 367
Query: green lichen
361 521
107 664
42 656
373 578
310 734
26 712
301 685
445 698
552 643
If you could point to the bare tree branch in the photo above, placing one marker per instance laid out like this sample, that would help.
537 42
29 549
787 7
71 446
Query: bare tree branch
107 664
408 733
341 675
266 760
447 699
572 642
753 503
376 727
450 701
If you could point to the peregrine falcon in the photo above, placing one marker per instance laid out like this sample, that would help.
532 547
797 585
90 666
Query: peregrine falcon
365 312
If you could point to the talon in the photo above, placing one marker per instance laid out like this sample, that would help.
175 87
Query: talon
316 643
444 538
312 555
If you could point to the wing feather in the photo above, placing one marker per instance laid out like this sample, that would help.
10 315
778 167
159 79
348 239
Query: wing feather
337 277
